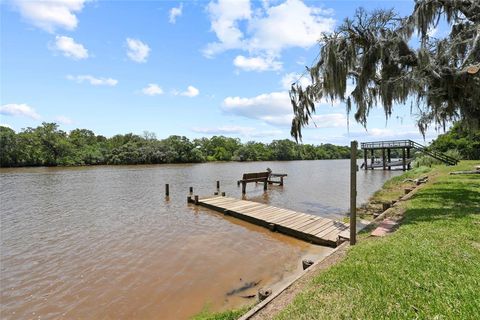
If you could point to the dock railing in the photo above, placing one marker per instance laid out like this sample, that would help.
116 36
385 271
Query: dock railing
388 144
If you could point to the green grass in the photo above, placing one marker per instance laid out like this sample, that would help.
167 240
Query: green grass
206 314
428 269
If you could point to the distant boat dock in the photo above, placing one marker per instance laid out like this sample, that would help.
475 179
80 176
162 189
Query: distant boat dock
405 146
303 226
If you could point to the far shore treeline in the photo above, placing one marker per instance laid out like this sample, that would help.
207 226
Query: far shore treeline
46 145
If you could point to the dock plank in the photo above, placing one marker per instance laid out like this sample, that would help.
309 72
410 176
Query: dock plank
304 226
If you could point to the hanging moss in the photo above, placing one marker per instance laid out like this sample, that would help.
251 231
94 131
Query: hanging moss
372 52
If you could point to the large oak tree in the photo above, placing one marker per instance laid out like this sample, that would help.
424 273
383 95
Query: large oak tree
391 60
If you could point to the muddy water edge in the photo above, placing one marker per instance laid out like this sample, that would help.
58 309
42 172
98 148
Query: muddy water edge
105 242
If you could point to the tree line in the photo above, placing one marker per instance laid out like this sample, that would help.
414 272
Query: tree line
46 145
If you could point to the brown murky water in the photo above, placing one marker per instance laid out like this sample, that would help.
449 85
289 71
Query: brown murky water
103 242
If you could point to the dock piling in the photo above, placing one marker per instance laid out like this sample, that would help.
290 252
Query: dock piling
196 199
191 190
167 190
218 184
353 192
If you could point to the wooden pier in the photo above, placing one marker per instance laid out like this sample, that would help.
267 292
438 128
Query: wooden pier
405 146
303 226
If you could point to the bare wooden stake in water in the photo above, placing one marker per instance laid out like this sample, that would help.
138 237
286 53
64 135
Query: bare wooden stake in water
353 192
189 199
218 184
167 190
223 194
196 199
191 190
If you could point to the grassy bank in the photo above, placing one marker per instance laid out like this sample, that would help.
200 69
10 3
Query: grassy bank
428 269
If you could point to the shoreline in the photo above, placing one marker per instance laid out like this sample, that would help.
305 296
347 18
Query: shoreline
391 190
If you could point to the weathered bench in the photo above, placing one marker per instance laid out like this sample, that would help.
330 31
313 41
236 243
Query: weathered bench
254 177
277 175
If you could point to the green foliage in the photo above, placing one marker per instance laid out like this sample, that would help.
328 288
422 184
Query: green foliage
206 314
461 138
46 145
377 52
425 161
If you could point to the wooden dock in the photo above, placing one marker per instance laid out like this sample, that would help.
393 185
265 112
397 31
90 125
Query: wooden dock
303 226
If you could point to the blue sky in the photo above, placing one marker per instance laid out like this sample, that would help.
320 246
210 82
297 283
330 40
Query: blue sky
193 68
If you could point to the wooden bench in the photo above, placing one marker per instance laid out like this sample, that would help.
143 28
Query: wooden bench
254 177
277 175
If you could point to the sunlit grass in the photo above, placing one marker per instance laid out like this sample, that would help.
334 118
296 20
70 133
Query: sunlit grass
428 269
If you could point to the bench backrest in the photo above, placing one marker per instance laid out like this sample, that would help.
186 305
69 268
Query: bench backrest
256 175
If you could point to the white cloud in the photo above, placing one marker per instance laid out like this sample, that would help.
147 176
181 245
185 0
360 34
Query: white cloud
256 63
63 120
93 80
290 24
268 30
225 130
6 125
275 109
331 120
247 132
292 77
138 51
224 17
69 48
152 89
175 12
14 109
190 92
51 14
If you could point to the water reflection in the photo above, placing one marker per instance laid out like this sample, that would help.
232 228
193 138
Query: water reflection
105 242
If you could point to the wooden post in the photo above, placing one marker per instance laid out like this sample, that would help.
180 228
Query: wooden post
403 159
215 193
383 159
408 157
223 194
281 181
167 190
365 161
265 185
196 199
373 157
218 184
191 190
244 187
389 157
189 199
353 192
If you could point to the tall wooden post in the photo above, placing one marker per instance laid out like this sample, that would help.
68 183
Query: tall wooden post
373 157
218 184
265 185
365 159
383 159
191 190
167 190
408 157
353 192
244 187
389 157
403 159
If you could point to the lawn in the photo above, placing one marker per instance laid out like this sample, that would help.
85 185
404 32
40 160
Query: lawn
428 269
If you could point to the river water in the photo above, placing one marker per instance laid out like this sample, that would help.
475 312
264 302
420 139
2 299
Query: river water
104 242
